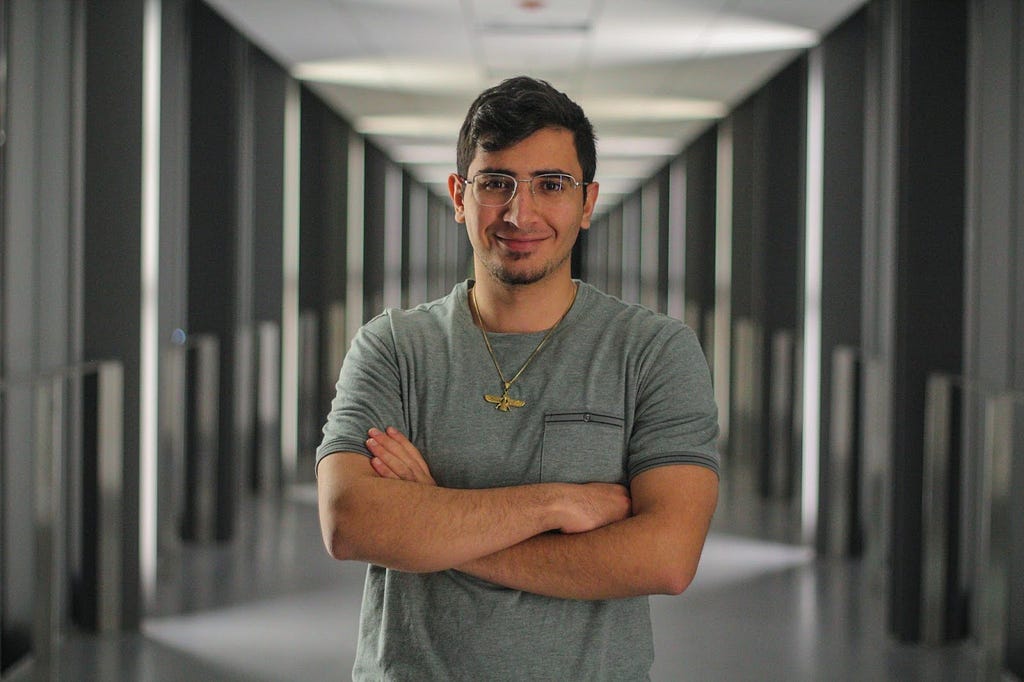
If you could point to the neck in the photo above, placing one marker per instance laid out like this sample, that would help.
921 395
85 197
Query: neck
522 308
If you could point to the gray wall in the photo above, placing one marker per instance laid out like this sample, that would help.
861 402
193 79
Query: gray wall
994 274
41 236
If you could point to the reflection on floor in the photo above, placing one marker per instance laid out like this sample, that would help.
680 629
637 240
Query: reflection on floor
274 607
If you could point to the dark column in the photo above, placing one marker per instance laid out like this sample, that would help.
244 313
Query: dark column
214 220
913 321
701 188
322 214
783 130
842 220
260 285
768 213
112 293
664 209
375 215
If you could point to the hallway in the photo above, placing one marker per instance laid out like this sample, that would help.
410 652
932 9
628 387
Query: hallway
195 227
275 607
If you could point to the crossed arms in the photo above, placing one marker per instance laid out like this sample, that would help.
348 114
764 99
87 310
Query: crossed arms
613 541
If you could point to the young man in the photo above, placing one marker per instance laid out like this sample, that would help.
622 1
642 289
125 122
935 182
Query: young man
523 461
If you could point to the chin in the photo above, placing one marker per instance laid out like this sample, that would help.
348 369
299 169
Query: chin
507 273
518 278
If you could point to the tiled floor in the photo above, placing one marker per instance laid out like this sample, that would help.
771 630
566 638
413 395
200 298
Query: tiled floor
274 607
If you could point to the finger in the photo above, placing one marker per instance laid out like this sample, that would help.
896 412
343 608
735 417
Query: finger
409 451
410 454
382 469
383 450
400 456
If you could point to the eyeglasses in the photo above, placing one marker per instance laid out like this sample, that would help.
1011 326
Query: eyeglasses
498 189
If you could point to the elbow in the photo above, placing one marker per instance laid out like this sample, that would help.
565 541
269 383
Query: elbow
675 582
674 577
337 532
338 547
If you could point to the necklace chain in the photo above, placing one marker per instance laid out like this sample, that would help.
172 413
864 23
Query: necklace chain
504 402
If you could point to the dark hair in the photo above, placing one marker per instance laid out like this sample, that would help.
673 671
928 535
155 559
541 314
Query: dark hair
516 108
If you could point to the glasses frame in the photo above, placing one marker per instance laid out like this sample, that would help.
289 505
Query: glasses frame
576 184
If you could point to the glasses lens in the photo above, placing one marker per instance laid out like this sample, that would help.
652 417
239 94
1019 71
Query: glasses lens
497 189
494 189
553 187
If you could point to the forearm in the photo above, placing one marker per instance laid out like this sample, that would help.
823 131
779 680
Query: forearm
630 558
413 527
654 551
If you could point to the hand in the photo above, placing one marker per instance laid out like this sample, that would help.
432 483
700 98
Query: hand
592 505
394 456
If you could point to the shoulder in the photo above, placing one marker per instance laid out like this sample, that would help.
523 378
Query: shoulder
426 320
618 318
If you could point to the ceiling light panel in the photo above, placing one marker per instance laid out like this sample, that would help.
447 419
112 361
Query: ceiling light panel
403 29
547 53
529 36
294 31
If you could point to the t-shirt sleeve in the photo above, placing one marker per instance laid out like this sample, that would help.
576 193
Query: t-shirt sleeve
676 417
368 392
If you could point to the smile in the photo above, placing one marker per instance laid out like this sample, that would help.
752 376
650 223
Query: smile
518 243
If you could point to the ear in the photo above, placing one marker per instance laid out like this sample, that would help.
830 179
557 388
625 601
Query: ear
588 205
457 189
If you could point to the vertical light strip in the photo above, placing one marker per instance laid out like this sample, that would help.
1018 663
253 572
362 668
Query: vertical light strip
419 207
677 239
290 342
650 242
723 278
393 236
354 242
149 351
812 293
630 247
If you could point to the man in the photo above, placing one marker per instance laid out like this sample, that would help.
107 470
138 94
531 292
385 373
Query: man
523 461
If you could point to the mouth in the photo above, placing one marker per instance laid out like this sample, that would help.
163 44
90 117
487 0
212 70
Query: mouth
519 243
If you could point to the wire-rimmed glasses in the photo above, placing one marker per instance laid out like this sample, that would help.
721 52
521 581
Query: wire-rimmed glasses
498 189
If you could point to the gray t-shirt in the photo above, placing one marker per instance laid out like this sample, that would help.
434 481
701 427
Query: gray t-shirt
617 390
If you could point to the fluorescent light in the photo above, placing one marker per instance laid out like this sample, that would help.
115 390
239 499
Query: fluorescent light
637 146
424 153
413 126
616 186
434 173
652 109
639 168
647 40
738 37
390 74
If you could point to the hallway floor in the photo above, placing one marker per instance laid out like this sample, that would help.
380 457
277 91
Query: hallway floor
275 607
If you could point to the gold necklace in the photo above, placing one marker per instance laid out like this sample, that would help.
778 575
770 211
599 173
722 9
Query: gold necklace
504 402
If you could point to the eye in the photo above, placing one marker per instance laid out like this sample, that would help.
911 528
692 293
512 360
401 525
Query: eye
494 183
552 184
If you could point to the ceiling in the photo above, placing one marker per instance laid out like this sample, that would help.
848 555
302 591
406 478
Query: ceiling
651 74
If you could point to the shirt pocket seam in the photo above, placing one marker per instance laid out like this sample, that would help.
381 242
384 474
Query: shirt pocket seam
593 428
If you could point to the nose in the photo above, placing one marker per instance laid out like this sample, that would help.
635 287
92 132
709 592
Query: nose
523 206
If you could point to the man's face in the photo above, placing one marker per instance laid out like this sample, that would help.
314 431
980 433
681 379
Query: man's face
528 240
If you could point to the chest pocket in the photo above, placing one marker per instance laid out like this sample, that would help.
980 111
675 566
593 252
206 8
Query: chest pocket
583 447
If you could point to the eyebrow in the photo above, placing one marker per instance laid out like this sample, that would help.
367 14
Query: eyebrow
542 171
